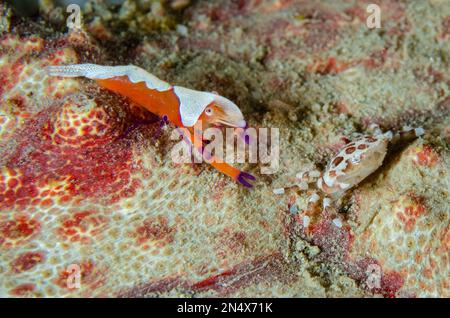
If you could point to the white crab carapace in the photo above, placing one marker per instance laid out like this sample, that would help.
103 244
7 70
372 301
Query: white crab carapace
351 165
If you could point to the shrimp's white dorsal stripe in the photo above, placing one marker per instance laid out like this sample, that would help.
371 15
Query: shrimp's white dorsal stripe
94 71
192 104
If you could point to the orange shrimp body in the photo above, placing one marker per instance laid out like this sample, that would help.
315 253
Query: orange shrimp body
160 103
182 106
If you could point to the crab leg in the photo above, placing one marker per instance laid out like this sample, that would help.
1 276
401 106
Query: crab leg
407 134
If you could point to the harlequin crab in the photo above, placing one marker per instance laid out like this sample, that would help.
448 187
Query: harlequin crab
351 165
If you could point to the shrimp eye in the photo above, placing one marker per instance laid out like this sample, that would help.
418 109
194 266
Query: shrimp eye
209 111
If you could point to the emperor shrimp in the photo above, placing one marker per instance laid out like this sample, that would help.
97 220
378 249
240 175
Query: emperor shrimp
182 106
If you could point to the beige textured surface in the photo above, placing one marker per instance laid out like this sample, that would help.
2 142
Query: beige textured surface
75 188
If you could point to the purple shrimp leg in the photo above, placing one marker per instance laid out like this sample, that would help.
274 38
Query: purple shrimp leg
242 179
162 123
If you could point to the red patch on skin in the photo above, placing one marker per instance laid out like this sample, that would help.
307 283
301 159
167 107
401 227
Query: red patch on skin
93 166
27 261
10 75
156 286
218 190
265 225
412 212
19 102
243 274
356 12
334 242
155 229
22 290
82 226
333 66
341 107
90 276
17 231
376 59
263 268
230 242
99 31
377 281
391 282
329 66
426 157
212 280
17 190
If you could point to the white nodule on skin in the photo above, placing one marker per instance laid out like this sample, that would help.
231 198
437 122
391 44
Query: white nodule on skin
355 160
299 176
314 198
375 129
278 191
94 71
314 173
388 135
306 221
344 186
326 203
319 184
303 185
328 180
182 30
293 209
419 131
303 176
337 222
407 128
